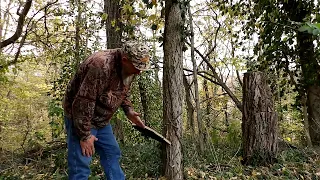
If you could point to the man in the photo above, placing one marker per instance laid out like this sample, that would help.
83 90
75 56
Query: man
99 87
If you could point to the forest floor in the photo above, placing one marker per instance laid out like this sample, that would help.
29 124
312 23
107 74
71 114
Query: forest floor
142 161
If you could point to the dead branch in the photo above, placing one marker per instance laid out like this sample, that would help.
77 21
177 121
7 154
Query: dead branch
220 81
206 77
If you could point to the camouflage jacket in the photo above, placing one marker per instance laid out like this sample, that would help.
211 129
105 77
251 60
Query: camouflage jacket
96 92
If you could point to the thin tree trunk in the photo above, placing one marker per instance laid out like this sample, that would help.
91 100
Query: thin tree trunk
6 20
305 120
207 113
226 115
259 121
313 103
206 91
156 61
1 23
195 82
190 108
143 96
78 37
172 90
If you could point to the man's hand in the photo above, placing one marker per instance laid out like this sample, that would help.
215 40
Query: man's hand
87 146
134 117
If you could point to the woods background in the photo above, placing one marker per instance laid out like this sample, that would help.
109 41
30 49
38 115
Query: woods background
193 95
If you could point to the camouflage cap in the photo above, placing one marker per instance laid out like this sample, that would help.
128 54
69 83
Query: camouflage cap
138 54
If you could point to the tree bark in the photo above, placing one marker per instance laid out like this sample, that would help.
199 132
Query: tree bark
313 103
114 33
112 9
259 121
172 90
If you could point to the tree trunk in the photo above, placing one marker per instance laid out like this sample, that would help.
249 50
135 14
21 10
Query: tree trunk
195 83
259 121
78 37
143 96
313 102
6 20
305 120
156 61
309 66
112 9
207 112
226 115
190 108
172 90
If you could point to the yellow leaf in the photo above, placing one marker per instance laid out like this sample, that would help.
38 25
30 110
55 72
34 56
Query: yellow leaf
154 2
113 23
104 16
142 12
128 8
255 173
152 17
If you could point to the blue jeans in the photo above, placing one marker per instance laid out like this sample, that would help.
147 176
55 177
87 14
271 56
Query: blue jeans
107 147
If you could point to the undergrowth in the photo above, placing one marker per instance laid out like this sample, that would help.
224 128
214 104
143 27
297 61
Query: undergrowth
143 161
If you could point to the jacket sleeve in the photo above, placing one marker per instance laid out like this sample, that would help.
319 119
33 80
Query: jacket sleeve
126 104
84 103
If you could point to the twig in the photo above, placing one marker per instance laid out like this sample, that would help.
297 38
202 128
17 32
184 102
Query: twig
234 155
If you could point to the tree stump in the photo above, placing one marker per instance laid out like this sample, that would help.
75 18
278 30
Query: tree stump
259 121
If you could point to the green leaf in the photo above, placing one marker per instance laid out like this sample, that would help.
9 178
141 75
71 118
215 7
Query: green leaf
317 25
304 28
104 16
316 32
